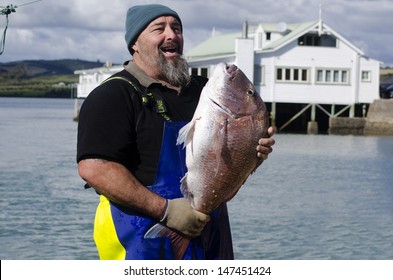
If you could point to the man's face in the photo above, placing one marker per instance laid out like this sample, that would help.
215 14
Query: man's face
161 39
159 49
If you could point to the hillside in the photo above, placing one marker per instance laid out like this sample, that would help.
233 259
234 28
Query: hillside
56 78
41 78
35 68
386 75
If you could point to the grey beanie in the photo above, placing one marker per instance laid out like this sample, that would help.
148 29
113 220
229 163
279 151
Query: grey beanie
138 17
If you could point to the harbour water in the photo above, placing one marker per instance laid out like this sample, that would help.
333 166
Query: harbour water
316 197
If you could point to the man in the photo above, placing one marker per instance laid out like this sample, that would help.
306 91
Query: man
127 150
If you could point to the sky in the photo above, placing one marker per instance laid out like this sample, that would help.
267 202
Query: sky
94 29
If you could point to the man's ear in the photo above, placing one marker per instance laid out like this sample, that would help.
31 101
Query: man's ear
134 48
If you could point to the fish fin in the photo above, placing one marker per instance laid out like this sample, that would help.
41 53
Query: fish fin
179 243
187 194
186 133
184 189
158 230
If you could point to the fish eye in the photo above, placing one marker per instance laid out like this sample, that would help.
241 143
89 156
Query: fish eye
250 92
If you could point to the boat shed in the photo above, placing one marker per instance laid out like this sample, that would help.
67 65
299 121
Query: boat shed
304 68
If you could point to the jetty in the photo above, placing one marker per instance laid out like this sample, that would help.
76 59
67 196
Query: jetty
379 121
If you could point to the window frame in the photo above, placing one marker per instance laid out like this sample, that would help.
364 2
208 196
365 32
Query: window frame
290 74
333 76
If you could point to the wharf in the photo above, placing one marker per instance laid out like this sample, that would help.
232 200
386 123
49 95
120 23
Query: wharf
379 121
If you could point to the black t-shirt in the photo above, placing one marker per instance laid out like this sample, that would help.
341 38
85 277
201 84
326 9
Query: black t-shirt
116 126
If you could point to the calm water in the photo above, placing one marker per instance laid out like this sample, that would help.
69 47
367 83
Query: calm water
317 197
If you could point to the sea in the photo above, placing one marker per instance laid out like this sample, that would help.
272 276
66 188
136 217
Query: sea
317 197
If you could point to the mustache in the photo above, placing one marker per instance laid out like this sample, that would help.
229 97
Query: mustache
171 46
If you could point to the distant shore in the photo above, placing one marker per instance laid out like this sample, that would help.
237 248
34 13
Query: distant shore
64 86
65 94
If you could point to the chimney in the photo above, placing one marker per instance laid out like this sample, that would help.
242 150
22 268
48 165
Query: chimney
245 30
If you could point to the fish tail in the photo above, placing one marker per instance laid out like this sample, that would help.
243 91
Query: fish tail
179 243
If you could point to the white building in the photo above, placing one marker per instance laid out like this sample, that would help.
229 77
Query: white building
307 63
304 63
91 78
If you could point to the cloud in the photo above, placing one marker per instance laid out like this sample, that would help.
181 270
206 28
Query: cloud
94 29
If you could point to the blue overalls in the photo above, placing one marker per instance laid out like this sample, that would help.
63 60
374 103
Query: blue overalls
119 231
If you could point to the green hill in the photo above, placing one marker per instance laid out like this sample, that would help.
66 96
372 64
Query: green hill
41 78
56 78
386 75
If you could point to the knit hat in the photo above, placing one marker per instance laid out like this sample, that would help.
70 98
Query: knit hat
138 17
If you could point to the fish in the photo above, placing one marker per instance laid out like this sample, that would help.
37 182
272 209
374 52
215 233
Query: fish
220 143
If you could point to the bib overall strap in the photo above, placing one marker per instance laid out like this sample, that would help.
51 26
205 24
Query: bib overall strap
148 98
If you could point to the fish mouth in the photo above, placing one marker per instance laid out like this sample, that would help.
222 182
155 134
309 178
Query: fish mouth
231 69
230 74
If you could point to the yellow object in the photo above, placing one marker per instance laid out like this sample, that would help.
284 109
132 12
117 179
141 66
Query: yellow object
105 236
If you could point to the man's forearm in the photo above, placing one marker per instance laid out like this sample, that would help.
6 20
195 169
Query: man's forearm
115 182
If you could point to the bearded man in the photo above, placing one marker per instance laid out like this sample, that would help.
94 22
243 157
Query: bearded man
127 147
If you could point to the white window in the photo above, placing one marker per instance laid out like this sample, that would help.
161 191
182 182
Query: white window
366 76
304 75
315 40
336 76
332 76
204 72
199 71
288 74
344 76
327 76
279 74
296 74
292 75
268 36
319 76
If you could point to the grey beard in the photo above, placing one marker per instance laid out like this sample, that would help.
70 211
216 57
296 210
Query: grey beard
175 71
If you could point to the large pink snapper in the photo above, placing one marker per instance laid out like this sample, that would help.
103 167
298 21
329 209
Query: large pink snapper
221 141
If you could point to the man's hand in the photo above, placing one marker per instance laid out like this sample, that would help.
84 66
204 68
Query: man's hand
264 147
180 216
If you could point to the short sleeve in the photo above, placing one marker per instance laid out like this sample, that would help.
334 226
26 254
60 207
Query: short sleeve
106 123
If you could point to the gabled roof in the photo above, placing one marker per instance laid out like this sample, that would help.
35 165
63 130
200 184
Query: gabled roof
293 32
224 45
215 46
329 30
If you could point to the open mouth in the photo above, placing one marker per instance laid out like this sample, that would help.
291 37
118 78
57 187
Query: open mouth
169 50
